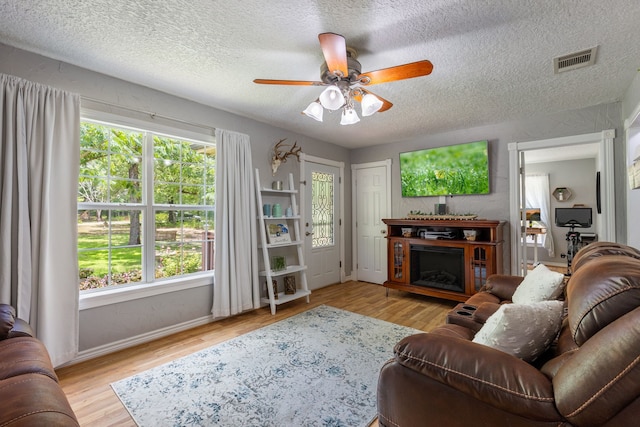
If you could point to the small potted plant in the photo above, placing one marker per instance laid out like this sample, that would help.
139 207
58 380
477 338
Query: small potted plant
278 263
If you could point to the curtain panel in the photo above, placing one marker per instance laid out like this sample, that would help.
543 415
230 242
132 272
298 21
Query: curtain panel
39 167
236 285
538 196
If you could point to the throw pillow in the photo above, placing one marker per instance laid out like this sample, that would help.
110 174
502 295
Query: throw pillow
524 331
540 284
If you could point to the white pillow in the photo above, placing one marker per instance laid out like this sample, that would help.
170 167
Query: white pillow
540 284
524 331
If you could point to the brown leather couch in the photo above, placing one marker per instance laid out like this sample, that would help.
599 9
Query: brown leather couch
589 377
29 391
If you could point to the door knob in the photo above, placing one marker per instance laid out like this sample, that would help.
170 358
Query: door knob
308 234
383 231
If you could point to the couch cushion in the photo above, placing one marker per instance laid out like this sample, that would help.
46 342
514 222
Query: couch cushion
540 284
24 355
598 249
482 374
524 331
601 291
34 400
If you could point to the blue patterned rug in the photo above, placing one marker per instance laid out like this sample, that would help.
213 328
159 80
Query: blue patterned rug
318 368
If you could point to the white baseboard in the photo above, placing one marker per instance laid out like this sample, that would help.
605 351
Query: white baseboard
139 339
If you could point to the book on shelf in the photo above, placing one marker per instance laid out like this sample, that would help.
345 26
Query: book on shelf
278 233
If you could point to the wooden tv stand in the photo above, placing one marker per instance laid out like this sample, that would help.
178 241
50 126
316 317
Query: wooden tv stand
482 256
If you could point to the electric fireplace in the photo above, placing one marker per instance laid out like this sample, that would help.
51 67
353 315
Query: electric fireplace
437 267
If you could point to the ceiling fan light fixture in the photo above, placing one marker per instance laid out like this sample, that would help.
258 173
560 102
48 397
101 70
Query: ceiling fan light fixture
370 104
349 117
331 98
314 110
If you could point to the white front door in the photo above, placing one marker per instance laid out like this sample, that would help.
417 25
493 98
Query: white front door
373 203
321 224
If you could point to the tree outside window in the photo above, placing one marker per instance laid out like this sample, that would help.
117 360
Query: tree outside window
145 206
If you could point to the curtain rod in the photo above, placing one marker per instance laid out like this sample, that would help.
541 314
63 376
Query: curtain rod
149 113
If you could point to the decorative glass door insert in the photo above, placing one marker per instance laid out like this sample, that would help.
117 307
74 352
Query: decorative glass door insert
322 209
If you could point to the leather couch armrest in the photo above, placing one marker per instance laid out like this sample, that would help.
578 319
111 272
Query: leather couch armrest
483 373
484 311
601 378
502 286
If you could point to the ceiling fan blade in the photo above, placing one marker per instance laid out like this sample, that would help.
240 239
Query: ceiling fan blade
400 72
288 82
385 104
334 49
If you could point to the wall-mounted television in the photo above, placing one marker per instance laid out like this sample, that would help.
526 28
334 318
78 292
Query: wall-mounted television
442 171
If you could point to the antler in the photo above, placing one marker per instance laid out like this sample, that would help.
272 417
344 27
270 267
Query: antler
280 156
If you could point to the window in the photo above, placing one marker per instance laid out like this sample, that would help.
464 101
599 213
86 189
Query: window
145 206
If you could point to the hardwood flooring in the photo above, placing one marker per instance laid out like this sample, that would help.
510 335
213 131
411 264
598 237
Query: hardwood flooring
87 386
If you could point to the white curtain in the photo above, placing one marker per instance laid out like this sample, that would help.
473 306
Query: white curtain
538 196
236 286
39 166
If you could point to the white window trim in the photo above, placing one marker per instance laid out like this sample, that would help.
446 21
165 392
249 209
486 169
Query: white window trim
124 293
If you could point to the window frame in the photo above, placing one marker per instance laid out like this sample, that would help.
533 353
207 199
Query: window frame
148 124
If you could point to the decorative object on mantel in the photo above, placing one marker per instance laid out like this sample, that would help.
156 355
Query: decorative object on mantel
280 156
451 216
470 235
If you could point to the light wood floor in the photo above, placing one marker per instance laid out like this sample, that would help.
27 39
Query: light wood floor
87 387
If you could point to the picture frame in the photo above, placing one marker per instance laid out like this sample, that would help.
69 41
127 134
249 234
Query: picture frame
274 284
278 233
289 285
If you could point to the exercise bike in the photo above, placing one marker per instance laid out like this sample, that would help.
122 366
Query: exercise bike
574 243
571 218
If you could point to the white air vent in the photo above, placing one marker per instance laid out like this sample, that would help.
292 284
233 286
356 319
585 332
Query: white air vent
575 60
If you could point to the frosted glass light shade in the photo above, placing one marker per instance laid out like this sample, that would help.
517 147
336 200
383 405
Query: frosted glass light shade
332 98
314 110
370 104
349 117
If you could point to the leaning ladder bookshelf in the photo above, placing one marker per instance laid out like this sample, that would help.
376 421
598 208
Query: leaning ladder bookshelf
276 244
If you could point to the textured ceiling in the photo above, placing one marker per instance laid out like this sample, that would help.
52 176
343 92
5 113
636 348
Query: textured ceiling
493 59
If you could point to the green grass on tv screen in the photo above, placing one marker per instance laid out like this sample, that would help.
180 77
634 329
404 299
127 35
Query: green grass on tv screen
456 169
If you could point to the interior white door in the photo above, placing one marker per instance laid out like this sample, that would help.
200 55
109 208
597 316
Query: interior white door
372 205
322 224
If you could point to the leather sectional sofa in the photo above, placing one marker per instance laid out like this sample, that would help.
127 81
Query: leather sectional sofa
29 391
588 376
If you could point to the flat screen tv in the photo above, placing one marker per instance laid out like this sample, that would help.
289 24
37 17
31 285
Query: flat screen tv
573 217
452 170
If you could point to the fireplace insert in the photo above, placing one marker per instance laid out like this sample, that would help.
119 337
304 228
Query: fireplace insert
437 267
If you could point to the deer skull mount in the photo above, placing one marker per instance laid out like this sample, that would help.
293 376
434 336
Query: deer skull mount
280 155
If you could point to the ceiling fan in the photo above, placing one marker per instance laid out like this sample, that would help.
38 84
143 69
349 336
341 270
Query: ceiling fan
345 81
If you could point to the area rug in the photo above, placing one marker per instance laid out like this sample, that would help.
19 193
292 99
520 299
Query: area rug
317 368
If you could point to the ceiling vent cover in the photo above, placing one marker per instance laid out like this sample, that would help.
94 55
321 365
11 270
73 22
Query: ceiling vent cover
575 60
